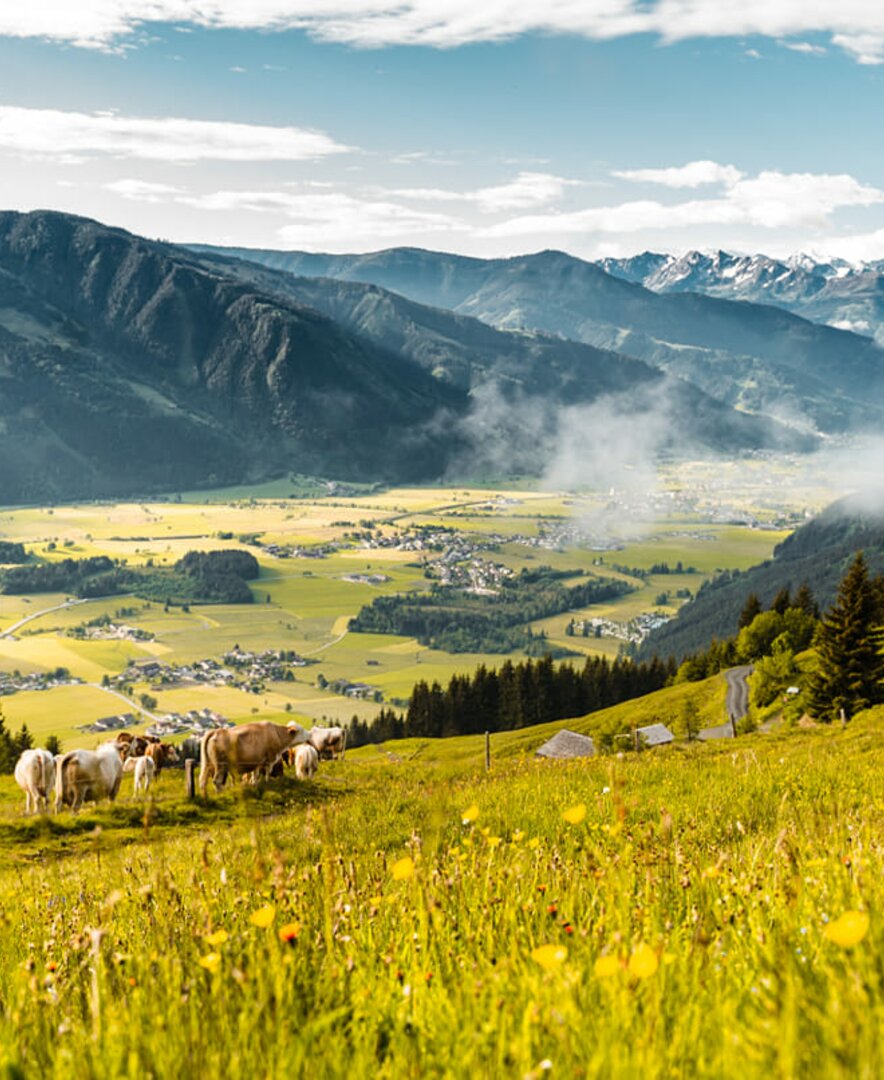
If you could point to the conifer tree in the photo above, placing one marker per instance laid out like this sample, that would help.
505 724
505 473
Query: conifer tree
850 666
751 608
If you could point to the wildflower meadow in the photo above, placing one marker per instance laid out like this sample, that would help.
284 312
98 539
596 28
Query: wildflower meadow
700 911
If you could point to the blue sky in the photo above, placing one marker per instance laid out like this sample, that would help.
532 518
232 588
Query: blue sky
597 127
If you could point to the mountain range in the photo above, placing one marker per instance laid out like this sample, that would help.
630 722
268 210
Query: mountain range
841 294
129 365
758 358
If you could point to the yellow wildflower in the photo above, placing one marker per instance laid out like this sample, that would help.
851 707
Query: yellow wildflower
575 814
211 961
218 938
493 841
263 917
849 929
606 966
549 956
471 814
403 869
643 962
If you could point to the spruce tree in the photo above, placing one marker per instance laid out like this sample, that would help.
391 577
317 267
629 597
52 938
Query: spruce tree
850 666
751 608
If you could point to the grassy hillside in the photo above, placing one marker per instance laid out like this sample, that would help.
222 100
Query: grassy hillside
703 911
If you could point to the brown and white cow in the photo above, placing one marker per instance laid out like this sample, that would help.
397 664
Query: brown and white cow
250 748
329 742
35 775
81 775
162 754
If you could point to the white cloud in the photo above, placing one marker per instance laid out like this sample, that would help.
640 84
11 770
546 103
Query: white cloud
775 199
527 190
771 200
57 134
804 47
691 175
863 247
866 48
331 220
144 190
856 26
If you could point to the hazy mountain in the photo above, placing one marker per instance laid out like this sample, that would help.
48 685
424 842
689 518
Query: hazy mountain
526 368
128 365
818 553
836 292
751 356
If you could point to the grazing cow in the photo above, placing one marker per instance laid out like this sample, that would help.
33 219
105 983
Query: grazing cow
162 754
35 775
328 742
249 748
144 769
306 761
82 775
131 745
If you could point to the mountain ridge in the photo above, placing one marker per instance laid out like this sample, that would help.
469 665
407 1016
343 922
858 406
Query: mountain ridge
755 357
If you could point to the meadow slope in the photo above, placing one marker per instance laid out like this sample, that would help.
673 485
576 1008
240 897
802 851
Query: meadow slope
702 911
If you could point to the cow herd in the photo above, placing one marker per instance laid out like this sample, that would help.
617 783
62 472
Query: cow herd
251 752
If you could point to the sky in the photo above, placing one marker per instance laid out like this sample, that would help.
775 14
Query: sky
598 127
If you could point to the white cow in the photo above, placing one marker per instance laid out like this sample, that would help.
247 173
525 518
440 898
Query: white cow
84 774
328 742
35 775
144 769
306 761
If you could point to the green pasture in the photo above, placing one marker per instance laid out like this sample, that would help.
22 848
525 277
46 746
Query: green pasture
61 712
702 911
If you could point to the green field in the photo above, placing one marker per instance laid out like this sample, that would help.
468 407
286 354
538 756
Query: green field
305 604
702 910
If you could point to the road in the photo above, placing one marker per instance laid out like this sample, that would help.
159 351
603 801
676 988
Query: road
737 701
10 630
132 704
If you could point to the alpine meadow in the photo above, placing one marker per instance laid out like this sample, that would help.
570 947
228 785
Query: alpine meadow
441 540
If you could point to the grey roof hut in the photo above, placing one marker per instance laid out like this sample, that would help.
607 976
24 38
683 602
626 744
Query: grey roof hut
567 744
655 735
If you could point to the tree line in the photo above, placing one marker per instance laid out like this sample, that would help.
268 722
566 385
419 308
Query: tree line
198 577
848 672
513 696
455 620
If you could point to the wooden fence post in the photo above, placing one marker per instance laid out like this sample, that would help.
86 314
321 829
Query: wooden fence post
487 751
843 719
189 769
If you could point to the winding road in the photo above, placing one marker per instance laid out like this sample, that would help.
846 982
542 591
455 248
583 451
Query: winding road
737 701
736 704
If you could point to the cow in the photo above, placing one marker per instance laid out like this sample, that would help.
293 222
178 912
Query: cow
35 775
131 745
249 748
162 754
306 761
328 742
84 774
144 769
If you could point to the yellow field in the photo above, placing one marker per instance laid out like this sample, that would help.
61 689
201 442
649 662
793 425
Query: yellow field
304 604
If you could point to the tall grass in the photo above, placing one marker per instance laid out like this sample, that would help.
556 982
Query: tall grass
677 921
